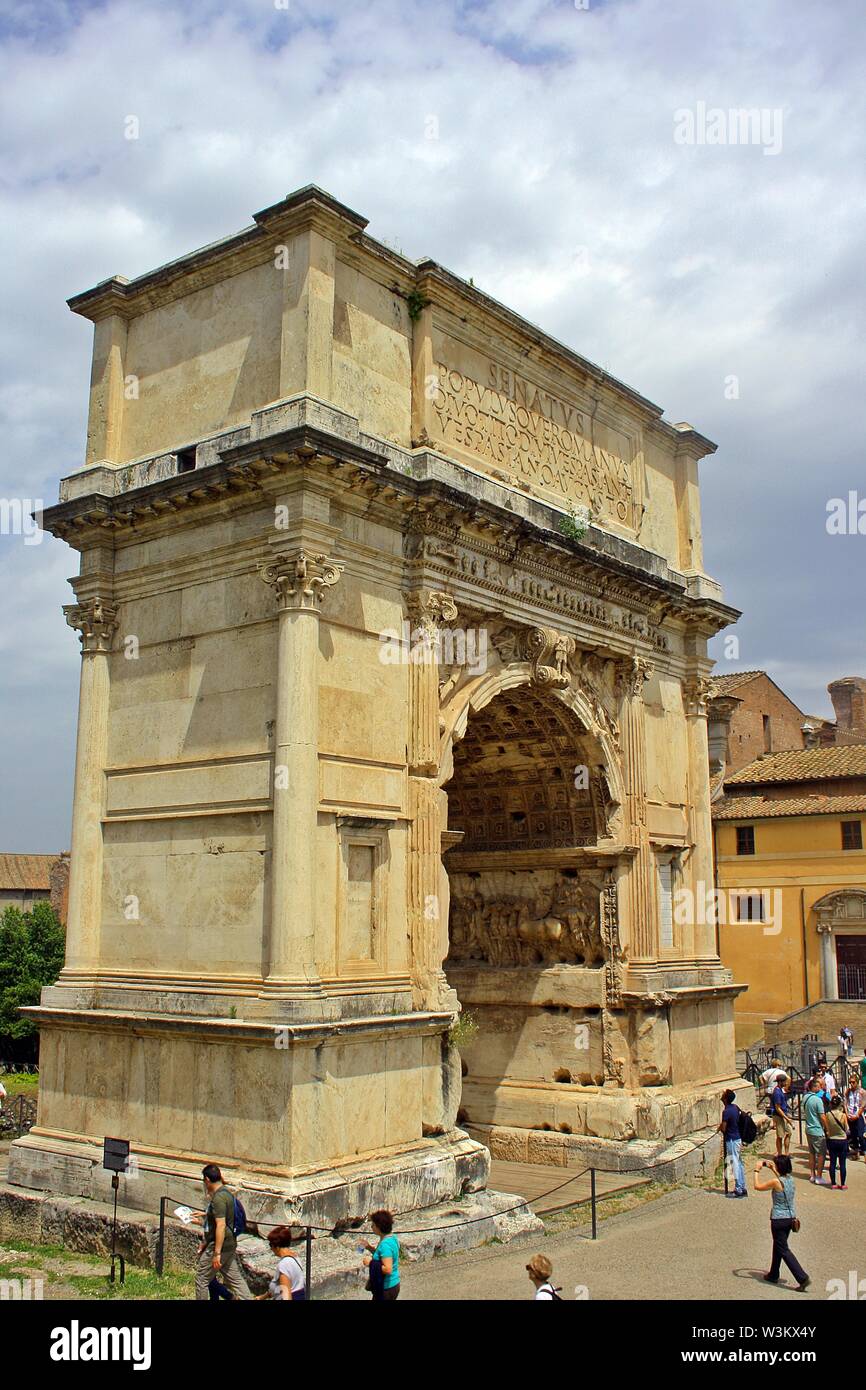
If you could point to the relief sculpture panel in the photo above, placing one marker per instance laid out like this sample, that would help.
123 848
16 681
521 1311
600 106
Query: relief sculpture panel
517 917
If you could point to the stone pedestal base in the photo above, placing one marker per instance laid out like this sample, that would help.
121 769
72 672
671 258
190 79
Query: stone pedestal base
318 1123
419 1176
538 1112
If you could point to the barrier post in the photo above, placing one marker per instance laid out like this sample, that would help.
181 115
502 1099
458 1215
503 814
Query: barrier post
160 1244
592 1201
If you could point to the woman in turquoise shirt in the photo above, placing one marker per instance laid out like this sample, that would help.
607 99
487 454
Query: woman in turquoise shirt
383 1262
783 1218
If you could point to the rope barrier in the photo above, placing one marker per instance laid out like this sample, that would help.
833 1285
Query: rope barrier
475 1220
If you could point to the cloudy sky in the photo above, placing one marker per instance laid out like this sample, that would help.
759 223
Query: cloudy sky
534 146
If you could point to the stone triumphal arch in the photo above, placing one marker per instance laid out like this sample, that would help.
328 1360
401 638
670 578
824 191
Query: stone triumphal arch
393 623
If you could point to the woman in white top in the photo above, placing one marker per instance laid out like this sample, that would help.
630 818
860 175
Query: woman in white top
288 1284
540 1270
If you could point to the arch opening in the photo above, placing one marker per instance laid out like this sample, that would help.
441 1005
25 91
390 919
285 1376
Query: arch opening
528 805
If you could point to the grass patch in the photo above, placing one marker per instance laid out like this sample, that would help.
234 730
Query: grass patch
141 1284
21 1083
614 1205
58 1267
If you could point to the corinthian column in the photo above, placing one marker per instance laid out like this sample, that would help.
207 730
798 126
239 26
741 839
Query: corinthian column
695 692
427 610
299 581
630 678
95 621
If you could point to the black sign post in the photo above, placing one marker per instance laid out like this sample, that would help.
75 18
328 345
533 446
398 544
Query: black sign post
115 1158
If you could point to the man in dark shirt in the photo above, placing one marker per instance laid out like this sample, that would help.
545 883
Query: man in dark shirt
217 1252
779 1111
730 1129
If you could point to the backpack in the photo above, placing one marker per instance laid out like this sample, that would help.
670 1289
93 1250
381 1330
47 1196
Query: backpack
554 1292
748 1128
239 1223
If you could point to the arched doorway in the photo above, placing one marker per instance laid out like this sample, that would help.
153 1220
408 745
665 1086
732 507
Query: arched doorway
529 805
841 924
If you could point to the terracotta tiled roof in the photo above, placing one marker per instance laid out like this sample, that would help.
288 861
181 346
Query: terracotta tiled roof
22 871
803 765
726 685
759 807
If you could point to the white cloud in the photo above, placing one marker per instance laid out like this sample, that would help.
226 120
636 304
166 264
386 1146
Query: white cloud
554 182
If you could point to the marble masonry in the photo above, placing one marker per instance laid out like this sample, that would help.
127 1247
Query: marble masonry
394 669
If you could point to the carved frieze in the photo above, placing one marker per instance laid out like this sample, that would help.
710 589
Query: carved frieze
525 917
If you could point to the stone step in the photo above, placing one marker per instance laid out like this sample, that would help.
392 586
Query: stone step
84 1227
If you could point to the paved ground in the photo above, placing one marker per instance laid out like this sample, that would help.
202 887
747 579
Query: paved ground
689 1244
550 1189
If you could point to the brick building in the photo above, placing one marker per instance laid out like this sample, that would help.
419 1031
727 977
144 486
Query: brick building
26 879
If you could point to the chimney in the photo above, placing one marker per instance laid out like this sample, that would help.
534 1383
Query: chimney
849 703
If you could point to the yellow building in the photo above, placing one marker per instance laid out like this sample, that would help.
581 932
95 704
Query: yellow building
791 870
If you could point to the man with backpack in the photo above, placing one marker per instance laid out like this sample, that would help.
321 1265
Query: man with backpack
217 1254
729 1128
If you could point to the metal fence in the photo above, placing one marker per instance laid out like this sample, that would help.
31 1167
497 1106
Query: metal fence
798 1060
852 981
17 1115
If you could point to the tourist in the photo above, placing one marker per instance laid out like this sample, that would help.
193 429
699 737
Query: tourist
4 1095
729 1128
837 1141
217 1252
768 1077
783 1218
383 1261
828 1081
855 1101
540 1271
289 1284
816 1130
779 1112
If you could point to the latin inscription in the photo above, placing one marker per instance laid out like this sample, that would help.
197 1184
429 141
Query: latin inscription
511 422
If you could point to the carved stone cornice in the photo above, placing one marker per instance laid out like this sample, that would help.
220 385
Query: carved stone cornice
300 578
95 620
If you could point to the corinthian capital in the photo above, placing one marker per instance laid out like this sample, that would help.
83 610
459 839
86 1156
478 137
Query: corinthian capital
430 608
631 675
696 689
300 579
95 620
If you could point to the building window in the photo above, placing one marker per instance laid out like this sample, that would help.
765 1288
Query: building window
745 839
768 736
852 834
666 904
751 907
